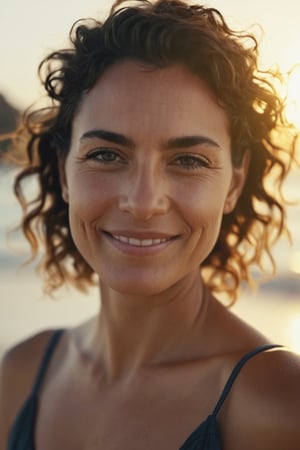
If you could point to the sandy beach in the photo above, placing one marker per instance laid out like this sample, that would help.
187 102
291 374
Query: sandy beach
25 310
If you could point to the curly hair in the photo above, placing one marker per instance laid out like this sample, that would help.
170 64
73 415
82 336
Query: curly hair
161 33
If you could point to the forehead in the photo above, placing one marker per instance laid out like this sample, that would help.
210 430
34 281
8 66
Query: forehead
171 98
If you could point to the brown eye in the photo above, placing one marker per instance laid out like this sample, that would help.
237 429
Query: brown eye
105 156
191 162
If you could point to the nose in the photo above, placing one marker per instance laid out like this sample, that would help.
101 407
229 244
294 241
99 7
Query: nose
145 193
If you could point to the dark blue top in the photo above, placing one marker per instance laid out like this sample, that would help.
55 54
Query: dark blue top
205 437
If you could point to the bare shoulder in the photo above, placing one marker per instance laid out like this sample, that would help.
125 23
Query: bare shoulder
18 370
265 402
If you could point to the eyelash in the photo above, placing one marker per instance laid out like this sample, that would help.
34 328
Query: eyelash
99 155
197 162
186 161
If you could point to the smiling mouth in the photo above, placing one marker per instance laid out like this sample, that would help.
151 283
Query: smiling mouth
135 242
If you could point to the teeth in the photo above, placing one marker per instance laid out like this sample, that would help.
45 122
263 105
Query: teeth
139 242
133 241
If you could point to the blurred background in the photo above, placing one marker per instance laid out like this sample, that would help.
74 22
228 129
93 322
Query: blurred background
28 32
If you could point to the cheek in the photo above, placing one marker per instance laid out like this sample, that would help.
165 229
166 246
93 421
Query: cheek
89 194
202 204
89 198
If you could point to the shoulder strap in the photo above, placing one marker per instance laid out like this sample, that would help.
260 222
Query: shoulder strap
236 371
46 360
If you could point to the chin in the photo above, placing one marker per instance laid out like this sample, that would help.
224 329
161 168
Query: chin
135 286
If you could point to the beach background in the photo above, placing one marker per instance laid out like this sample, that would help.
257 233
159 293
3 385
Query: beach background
28 32
274 308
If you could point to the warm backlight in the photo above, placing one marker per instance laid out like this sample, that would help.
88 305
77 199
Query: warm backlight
295 262
293 98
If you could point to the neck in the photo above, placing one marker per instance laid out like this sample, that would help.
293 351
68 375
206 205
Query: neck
133 331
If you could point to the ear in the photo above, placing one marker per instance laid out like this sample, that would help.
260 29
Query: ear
63 178
239 176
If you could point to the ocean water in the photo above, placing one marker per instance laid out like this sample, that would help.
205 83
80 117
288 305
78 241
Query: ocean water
274 309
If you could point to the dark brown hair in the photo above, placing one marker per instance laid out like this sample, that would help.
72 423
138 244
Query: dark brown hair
161 33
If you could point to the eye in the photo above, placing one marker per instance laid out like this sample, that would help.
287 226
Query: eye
191 162
105 156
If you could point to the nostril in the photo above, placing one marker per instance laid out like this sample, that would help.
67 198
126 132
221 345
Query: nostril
144 203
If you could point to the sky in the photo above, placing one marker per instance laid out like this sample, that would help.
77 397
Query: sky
30 29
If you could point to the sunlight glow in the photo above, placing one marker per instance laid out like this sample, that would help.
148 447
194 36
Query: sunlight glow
293 98
295 262
294 333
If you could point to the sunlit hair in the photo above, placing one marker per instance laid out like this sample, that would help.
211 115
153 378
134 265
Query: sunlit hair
161 33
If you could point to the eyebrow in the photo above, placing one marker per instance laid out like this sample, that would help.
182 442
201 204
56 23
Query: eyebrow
178 142
110 136
190 141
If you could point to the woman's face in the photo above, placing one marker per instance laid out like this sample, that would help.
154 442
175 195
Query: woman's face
148 176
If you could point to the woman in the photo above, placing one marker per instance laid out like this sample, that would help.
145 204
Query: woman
152 165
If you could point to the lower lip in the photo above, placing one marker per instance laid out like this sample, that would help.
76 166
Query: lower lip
136 250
